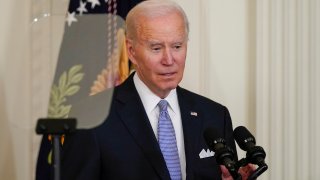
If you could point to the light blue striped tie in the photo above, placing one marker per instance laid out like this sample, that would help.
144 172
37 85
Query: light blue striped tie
167 142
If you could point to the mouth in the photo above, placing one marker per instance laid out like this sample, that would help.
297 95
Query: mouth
168 74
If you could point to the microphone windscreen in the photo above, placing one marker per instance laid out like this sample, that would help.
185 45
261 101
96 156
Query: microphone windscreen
243 136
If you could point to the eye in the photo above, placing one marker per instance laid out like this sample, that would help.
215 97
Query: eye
156 48
177 46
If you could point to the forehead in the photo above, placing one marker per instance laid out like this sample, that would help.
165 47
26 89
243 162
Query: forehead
170 27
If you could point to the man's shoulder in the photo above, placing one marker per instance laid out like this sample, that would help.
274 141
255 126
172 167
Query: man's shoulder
197 98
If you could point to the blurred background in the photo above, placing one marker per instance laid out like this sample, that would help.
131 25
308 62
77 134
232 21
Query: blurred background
261 59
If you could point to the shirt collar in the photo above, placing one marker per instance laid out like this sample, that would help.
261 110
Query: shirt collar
150 100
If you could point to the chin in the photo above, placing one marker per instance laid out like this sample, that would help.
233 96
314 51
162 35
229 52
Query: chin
171 86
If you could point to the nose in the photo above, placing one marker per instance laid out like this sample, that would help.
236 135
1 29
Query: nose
167 58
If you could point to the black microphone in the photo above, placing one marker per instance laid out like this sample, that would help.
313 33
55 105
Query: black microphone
246 141
224 154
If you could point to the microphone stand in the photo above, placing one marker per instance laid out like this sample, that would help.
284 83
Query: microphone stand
258 172
56 127
262 167
224 156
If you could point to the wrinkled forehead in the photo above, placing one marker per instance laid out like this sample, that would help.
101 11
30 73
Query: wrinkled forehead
168 25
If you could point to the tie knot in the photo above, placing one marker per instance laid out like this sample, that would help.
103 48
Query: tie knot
163 104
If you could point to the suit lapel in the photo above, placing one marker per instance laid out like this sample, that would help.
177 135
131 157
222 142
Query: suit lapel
192 128
133 115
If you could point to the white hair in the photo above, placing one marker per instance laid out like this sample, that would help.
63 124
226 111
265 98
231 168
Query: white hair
152 9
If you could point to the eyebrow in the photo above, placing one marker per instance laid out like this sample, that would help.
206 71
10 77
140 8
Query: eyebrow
155 42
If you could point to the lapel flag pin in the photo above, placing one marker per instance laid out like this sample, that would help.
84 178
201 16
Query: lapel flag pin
193 113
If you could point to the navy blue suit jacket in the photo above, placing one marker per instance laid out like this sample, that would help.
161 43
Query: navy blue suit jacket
124 147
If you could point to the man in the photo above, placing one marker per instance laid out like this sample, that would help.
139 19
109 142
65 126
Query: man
131 143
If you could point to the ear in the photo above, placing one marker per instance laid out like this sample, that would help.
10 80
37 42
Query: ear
130 51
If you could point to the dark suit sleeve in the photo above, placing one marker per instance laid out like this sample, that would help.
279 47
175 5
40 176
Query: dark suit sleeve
80 156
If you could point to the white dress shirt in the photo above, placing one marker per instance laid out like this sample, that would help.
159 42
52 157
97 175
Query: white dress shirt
150 103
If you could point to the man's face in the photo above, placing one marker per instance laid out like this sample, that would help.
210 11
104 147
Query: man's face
159 52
